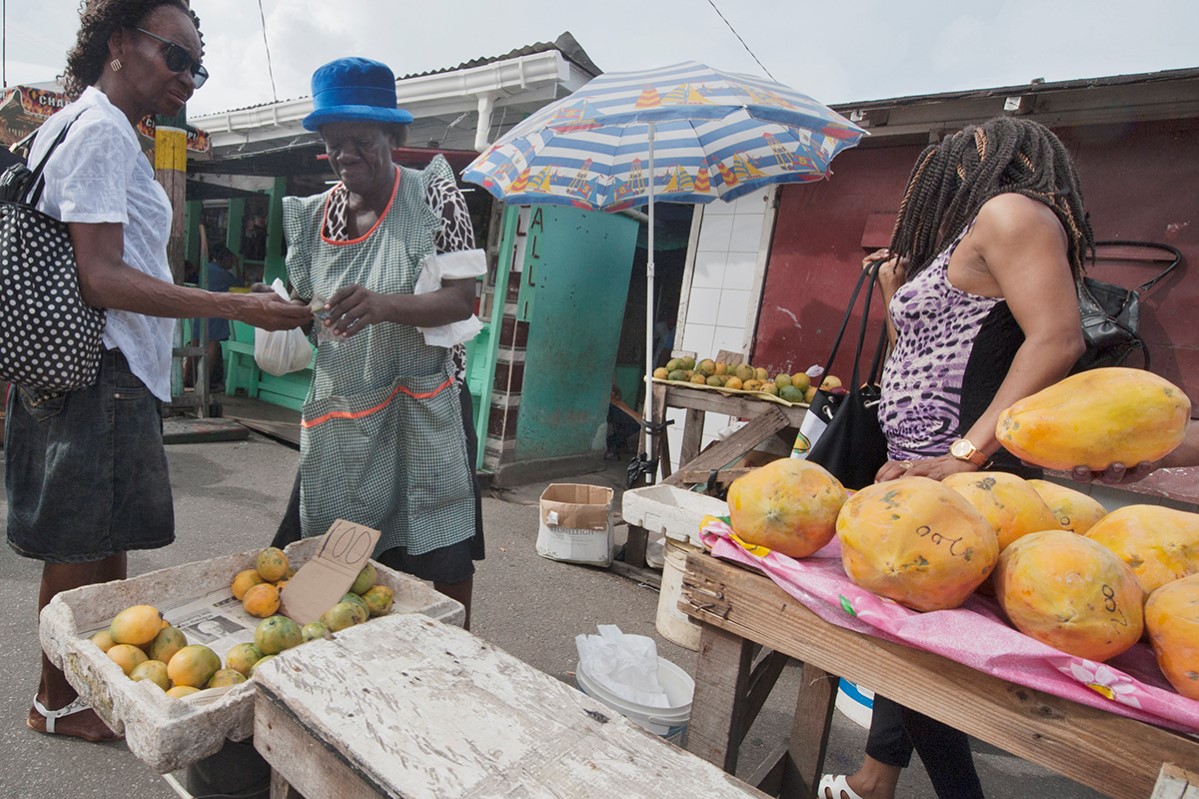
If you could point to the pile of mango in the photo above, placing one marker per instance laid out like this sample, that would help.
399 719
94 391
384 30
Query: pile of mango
147 647
743 377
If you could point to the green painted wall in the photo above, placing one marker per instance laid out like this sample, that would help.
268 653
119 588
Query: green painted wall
574 284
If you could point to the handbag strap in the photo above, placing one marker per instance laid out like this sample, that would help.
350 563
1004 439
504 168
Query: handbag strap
37 182
868 277
1148 284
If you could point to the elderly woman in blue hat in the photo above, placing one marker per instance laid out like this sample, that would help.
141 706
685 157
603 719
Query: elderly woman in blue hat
391 251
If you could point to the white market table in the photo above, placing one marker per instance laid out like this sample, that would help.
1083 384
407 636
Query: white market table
742 611
418 709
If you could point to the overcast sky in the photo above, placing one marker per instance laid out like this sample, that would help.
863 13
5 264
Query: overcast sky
834 50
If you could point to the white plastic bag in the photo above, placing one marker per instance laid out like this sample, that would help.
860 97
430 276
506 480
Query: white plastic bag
624 664
281 351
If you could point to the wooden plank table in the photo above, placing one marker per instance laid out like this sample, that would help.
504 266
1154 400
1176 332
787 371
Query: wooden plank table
409 707
742 611
699 402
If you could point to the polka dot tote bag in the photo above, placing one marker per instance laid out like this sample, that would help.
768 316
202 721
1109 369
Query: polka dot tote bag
49 337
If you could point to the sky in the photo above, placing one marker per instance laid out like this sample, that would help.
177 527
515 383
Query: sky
836 51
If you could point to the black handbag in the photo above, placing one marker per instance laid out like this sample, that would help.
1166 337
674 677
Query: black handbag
1111 314
852 446
49 337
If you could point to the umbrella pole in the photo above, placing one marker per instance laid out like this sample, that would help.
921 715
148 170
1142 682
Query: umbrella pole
651 452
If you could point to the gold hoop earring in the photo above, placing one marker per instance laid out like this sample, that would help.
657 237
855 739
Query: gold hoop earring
115 64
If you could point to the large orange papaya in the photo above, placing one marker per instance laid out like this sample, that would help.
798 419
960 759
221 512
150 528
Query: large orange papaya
1075 511
1172 620
1096 418
1071 593
1160 544
917 542
788 505
1008 502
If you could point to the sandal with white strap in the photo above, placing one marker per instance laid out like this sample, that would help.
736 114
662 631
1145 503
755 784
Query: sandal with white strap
836 786
51 716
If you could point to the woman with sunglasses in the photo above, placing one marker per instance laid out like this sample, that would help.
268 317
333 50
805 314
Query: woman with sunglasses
85 470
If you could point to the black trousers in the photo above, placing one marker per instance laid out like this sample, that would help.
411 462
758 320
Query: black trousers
945 751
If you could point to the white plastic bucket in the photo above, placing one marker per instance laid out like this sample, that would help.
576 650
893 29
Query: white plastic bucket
855 702
668 722
673 624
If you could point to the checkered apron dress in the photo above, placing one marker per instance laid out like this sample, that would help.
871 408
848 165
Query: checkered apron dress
381 439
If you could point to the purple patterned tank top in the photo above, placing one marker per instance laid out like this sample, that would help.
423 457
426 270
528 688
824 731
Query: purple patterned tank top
936 326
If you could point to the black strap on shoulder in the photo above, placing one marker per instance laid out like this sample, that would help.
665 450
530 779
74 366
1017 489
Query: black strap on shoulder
866 279
36 182
1148 284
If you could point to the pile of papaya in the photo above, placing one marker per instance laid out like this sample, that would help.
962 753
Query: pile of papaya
1064 570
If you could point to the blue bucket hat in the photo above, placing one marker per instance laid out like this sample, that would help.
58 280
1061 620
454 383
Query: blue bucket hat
354 90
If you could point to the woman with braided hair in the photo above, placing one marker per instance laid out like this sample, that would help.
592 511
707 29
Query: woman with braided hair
86 473
979 282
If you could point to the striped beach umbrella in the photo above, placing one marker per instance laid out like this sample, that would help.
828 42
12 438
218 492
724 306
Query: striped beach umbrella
686 133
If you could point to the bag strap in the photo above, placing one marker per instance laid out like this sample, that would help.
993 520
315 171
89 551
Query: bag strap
868 278
1148 284
36 182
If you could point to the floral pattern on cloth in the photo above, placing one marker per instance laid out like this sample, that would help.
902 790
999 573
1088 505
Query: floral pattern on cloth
975 634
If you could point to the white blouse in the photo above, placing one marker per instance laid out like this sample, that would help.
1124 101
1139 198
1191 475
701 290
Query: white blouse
99 174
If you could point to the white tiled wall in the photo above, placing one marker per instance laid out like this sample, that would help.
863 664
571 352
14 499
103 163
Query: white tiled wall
719 304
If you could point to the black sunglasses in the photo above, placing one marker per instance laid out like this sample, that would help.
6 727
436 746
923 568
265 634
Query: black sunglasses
178 59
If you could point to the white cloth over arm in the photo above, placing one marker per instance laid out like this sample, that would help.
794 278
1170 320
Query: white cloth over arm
457 265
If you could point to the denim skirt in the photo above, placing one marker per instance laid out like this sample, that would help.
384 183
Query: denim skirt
85 470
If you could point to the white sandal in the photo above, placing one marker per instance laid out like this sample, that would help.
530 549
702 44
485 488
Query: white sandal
839 785
76 706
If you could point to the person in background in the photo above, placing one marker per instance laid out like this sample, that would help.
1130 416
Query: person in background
623 424
387 414
222 265
982 311
86 474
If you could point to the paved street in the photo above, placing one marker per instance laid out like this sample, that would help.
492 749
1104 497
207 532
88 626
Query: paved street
229 497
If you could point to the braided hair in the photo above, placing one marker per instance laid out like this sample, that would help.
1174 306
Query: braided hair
951 181
98 19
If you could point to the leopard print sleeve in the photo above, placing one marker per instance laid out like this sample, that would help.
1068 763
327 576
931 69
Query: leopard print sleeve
456 232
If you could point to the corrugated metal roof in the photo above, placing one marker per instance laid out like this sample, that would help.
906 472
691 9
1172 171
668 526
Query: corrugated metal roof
1032 87
566 44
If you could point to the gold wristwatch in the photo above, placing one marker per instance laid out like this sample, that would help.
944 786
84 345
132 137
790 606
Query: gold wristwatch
963 450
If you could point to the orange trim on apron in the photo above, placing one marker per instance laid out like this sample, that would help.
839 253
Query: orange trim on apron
342 242
310 423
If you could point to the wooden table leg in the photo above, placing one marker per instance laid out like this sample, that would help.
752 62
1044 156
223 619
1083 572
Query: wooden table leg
280 789
634 546
722 671
809 732
662 440
693 435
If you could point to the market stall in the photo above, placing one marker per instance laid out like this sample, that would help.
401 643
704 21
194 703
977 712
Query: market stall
741 611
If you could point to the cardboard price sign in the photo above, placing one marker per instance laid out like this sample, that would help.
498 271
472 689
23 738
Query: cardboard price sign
325 579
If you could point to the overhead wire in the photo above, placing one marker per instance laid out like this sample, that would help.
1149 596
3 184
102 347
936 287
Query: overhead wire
743 44
266 45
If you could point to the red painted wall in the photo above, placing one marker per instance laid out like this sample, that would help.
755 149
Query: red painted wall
1140 182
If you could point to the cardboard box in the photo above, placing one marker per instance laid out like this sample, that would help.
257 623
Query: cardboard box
670 511
169 734
576 524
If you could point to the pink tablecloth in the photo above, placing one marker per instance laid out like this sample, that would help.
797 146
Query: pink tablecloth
974 634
